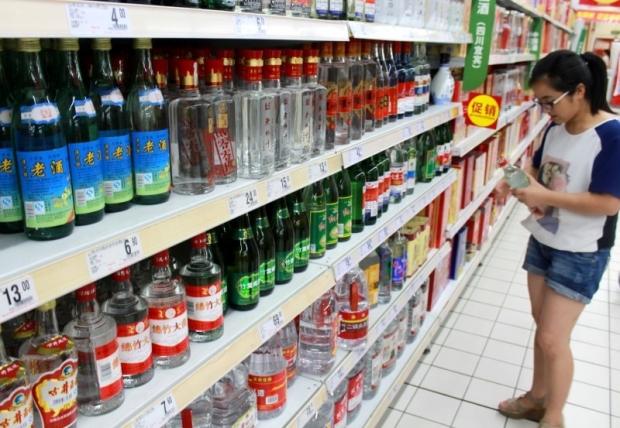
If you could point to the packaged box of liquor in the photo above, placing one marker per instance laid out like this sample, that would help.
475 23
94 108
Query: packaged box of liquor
459 246
479 173
422 222
456 195
439 279
439 235
411 232
467 180
486 208
473 235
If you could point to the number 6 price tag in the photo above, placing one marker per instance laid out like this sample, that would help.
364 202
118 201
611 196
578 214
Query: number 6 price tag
87 19
271 325
17 297
115 255
157 416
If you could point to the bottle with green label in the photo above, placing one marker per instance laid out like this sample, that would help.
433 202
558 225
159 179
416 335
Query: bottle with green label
301 225
345 206
214 253
316 206
284 237
78 120
11 215
266 250
331 198
387 182
358 190
113 130
42 155
427 167
243 267
149 131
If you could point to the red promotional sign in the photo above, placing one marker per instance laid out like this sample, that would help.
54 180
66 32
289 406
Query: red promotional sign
482 110
606 3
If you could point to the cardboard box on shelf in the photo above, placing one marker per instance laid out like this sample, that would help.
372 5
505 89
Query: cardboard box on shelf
439 279
459 247
456 195
473 235
485 209
479 173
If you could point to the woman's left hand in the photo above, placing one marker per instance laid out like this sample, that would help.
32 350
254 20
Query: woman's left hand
533 196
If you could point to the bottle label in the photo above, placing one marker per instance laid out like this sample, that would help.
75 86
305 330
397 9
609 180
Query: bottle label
371 198
245 287
16 410
336 7
369 10
225 160
370 97
25 331
321 7
430 164
419 90
302 252
380 98
87 176
411 169
136 352
381 192
10 199
151 97
290 354
355 392
204 306
40 114
439 158
402 98
108 365
318 232
331 103
224 294
372 277
297 6
387 186
151 162
393 103
389 349
358 100
399 268
376 370
345 102
267 274
332 223
46 188
396 181
335 327
169 331
401 338
285 265
268 133
249 420
111 97
340 412
117 171
85 108
353 324
345 220
270 390
6 116
277 6
55 395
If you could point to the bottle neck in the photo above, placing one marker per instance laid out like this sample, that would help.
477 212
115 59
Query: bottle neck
144 67
293 81
198 254
311 78
405 58
162 273
389 52
4 358
88 309
46 323
30 72
102 69
69 70
272 83
253 86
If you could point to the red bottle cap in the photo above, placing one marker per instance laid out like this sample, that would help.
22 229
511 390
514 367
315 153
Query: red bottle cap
86 293
253 66
294 63
397 47
160 68
174 76
200 54
406 47
353 48
355 296
327 49
199 241
502 161
122 275
311 62
339 49
188 73
161 259
366 47
228 58
214 72
272 60
187 52
186 418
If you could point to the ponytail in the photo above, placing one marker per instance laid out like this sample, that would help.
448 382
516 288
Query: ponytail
564 70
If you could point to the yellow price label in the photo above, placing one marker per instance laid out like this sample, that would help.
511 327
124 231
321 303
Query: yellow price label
483 111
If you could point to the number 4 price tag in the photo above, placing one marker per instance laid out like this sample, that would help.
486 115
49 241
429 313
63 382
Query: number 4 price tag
158 414
242 203
94 19
271 325
115 255
17 297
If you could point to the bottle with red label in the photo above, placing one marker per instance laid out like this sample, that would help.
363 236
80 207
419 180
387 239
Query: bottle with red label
355 391
52 362
340 397
341 77
289 339
202 280
100 377
167 316
372 369
131 314
373 190
268 378
15 332
16 409
390 348
353 308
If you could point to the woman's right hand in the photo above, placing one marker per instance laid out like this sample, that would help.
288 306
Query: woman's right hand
502 189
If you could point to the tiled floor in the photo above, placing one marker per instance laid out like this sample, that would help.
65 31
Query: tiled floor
483 354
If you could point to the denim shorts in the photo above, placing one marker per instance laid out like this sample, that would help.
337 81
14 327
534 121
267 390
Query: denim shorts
573 275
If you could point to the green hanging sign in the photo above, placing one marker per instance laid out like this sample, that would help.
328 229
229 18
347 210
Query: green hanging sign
582 40
481 28
534 39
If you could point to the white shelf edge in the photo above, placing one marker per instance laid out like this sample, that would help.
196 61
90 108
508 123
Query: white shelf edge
370 30
498 59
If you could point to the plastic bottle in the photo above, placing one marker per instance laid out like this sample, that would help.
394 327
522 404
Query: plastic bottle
389 352
340 398
372 369
355 391
353 307
267 362
288 338
234 403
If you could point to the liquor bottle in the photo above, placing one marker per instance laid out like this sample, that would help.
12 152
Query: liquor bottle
324 416
266 249
319 99
345 205
149 131
301 226
385 272
11 216
234 403
435 143
371 70
385 50
389 351
340 398
252 6
353 307
298 9
52 362
331 199
420 79
15 332
227 5
410 156
319 9
401 74
202 280
371 265
442 86
397 174
282 113
41 151
276 7
167 317
398 245
409 79
387 182
337 10
318 334
358 201
448 141
10 60
214 254
382 182
255 120
160 69
427 164
357 78
284 237
340 73
328 78
440 157
289 339
381 97
113 130
239 78
355 391
196 415
132 329
301 109
427 76
228 60
372 369
15 392
514 176
401 335
371 192
316 206
100 378
243 267
414 308
267 377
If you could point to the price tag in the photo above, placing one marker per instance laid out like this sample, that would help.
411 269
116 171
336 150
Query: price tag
306 414
359 353
113 256
318 171
407 132
363 29
421 127
337 378
343 267
367 248
242 202
398 222
383 325
248 25
271 325
95 19
17 297
279 187
355 155
384 234
158 414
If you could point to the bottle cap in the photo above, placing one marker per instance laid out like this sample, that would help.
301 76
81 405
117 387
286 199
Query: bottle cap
174 76
228 58
46 44
502 161
160 68
366 47
294 63
161 259
122 275
101 44
339 49
253 65
327 49
188 73
199 241
214 71
397 47
86 293
26 45
272 60
201 53
311 62
353 48
406 47
142 44
47 306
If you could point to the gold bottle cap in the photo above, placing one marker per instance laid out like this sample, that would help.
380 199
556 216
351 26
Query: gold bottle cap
68 45
46 43
47 306
101 44
142 44
28 45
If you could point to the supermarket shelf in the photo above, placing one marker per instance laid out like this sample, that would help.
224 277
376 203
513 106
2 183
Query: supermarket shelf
526 8
511 59
303 399
45 18
523 145
367 30
557 23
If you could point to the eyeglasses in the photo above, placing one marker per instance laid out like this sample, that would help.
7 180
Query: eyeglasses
551 104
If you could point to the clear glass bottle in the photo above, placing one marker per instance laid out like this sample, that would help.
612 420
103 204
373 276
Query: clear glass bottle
411 155
397 48
337 10
267 377
357 78
371 264
284 238
398 245
301 105
243 266
228 60
282 115
319 99
266 249
340 74
401 339
276 7
234 403
316 205
328 79
427 76
382 183
52 361
353 307
424 300
389 351
383 86
385 276
100 377
371 70
409 80
132 330
319 9
355 391
331 209
345 205
387 55
372 369
340 398
323 418
167 317
296 8
514 176
398 185
196 415
289 339
15 393
255 120
16 331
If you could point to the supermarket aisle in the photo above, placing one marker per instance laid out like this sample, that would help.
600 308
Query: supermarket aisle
483 354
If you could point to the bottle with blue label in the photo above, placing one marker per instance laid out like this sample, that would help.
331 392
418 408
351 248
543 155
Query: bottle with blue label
113 130
78 120
11 211
42 156
149 131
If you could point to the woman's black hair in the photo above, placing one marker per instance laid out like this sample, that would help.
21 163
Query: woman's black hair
563 70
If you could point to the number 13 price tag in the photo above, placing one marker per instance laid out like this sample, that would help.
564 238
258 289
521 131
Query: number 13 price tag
157 416
115 255
17 297
98 20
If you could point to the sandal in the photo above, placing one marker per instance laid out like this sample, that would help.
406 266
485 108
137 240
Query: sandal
544 424
512 409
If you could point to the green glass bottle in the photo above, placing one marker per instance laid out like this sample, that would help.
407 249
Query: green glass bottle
242 271
440 137
432 155
345 205
284 236
266 250
387 183
381 170
149 131
301 225
420 158
331 197
78 120
11 214
47 58
214 253
113 130
358 186
316 207
41 148
371 192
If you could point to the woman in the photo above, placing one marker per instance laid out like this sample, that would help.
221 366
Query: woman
574 199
